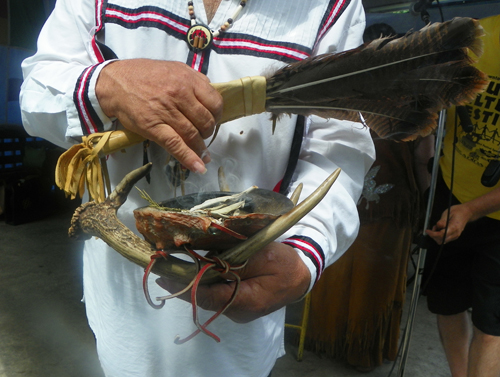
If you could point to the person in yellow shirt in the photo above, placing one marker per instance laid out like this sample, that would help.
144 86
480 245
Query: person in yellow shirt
462 270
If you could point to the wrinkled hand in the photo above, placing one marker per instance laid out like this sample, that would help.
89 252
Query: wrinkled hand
166 102
274 277
460 215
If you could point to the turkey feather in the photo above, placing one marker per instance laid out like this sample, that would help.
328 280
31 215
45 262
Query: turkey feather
396 84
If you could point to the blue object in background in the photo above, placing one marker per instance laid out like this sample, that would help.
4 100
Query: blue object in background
11 78
4 77
25 19
15 79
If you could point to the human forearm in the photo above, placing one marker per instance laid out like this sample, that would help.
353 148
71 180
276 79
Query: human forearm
484 205
450 226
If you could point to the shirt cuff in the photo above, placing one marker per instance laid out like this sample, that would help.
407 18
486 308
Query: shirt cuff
312 269
90 114
310 253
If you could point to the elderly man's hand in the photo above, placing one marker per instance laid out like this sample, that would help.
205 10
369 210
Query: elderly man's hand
274 277
166 102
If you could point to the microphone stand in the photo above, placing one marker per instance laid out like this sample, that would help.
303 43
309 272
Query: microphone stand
422 249
420 7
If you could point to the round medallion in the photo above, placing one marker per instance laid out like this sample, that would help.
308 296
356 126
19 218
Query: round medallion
199 37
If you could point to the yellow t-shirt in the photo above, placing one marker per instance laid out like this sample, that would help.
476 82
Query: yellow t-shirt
474 150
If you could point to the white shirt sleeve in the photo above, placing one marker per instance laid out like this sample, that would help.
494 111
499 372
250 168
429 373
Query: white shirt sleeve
331 227
52 77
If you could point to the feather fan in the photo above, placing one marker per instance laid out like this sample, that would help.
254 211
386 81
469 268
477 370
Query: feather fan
396 84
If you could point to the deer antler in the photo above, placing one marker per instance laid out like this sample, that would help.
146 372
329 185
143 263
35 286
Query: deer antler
100 220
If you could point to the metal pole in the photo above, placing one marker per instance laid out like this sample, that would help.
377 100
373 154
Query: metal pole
422 251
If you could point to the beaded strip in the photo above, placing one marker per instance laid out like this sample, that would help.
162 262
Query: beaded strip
199 36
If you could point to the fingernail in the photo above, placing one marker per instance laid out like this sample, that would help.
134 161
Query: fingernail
205 156
199 168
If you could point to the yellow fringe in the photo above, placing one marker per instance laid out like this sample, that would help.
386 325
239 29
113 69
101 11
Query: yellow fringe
80 166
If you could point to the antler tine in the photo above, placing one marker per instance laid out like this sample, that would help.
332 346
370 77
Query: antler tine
244 250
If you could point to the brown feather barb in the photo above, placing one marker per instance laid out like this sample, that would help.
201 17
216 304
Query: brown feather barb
395 86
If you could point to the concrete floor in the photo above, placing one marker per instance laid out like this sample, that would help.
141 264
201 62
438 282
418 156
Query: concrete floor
43 330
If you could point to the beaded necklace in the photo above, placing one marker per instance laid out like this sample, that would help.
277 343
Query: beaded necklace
199 36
